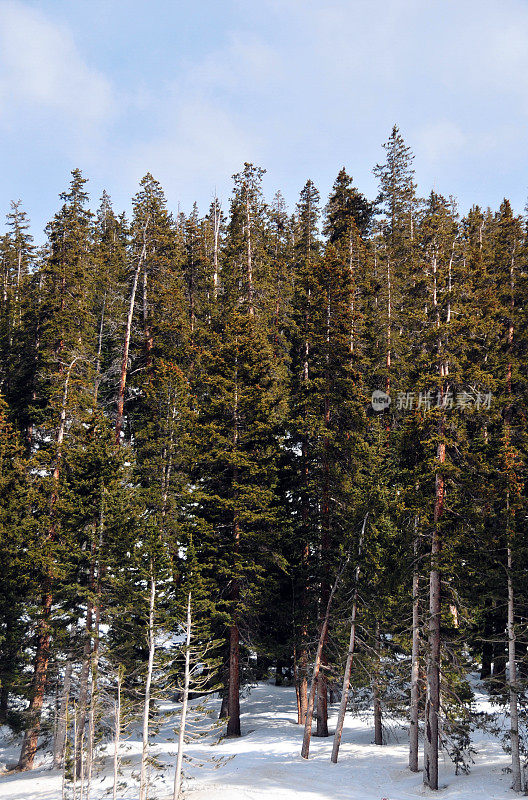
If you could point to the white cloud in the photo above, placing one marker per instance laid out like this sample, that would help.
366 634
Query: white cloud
42 69
203 139
301 87
200 128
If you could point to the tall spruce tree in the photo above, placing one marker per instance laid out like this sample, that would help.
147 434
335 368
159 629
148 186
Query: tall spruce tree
63 396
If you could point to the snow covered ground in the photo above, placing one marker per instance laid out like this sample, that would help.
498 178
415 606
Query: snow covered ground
265 763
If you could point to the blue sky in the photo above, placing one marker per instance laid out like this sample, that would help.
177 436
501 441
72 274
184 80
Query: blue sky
191 90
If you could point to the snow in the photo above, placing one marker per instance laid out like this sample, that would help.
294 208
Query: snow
265 764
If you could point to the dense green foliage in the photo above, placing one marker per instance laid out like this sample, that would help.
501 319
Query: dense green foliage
245 347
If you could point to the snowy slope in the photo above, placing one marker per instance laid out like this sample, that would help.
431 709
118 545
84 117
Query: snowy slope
266 764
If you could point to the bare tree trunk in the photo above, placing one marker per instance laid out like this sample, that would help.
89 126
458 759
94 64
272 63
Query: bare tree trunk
75 749
4 704
216 231
63 754
117 732
147 331
415 660
322 704
99 352
83 764
513 684
143 782
322 683
296 683
350 656
233 723
249 257
126 345
302 684
60 736
224 708
433 668
305 751
352 283
517 770
233 703
346 684
90 738
376 699
94 696
83 685
74 779
185 700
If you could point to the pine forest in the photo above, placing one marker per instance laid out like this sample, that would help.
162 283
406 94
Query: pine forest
263 445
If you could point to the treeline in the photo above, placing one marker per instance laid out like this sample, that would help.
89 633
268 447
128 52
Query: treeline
310 427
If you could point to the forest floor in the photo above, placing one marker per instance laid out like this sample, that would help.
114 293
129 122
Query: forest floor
265 762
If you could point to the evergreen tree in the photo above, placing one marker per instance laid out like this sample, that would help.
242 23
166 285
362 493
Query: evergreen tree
15 557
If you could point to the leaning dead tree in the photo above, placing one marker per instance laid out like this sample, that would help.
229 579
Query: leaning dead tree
305 751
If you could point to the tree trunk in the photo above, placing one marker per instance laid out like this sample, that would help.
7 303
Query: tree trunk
147 331
302 675
233 723
233 695
143 779
60 735
322 683
99 352
296 681
305 751
4 704
513 685
487 647
216 231
84 677
126 345
249 257
185 700
376 699
117 732
433 669
517 776
322 704
350 656
74 778
224 708
94 696
415 661
303 686
378 727
29 745
63 754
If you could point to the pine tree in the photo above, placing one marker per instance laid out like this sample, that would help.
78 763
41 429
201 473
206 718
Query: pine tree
307 254
15 557
65 368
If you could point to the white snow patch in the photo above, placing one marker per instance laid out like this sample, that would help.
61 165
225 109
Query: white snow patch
266 762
